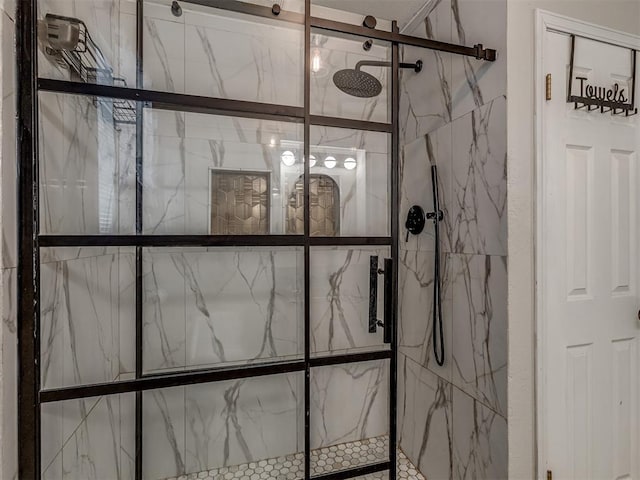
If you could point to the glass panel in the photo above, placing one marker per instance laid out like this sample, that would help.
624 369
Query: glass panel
335 68
87 165
349 168
210 174
89 41
202 174
87 315
353 12
221 306
191 54
186 51
243 427
340 300
348 434
89 438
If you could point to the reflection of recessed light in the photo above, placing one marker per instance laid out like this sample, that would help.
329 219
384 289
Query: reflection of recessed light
312 161
350 163
330 162
316 61
288 158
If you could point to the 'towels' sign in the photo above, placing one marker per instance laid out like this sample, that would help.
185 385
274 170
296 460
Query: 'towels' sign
613 94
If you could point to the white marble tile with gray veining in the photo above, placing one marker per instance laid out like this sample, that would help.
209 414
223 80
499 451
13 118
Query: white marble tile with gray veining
201 427
425 421
243 306
205 308
9 467
479 285
265 56
416 188
8 148
340 299
243 421
80 320
164 185
475 83
425 97
87 438
164 433
416 310
478 210
479 440
80 171
363 415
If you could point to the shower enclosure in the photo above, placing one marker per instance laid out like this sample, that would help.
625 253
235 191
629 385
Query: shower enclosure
200 210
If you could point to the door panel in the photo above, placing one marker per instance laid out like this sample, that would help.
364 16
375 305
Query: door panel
590 270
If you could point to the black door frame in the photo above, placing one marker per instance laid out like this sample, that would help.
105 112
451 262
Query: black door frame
30 394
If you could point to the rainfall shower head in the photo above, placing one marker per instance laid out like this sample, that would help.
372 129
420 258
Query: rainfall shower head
355 82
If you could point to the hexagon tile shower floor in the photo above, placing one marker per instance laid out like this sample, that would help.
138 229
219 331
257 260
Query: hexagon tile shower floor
323 460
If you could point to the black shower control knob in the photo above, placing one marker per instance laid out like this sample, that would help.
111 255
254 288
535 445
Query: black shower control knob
415 220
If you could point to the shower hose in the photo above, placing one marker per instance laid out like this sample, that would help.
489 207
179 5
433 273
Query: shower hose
437 330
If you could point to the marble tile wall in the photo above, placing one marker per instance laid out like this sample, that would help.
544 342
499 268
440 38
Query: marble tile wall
210 307
200 427
92 438
453 115
340 300
365 413
8 257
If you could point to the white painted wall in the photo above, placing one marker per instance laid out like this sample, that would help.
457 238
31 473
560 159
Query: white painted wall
617 14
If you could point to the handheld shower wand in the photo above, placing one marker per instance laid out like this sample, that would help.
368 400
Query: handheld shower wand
438 329
416 219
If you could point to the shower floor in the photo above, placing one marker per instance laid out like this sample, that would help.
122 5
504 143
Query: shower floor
323 460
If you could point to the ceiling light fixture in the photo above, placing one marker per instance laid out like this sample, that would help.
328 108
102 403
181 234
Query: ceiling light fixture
316 61
288 158
350 163
330 162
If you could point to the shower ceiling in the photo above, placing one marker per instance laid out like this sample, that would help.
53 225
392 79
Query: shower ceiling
400 10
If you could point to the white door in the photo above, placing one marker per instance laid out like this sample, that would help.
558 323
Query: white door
589 272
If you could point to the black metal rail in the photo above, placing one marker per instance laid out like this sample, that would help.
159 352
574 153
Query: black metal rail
154 381
205 241
28 259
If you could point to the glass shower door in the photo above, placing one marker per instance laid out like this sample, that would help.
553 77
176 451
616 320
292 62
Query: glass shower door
207 223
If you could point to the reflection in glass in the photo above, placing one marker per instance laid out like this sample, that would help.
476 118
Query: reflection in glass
344 55
324 201
239 202
362 422
210 307
88 438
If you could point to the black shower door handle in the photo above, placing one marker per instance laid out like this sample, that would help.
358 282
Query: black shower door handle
373 293
387 321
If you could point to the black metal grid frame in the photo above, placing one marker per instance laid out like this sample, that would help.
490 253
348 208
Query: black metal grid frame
30 395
